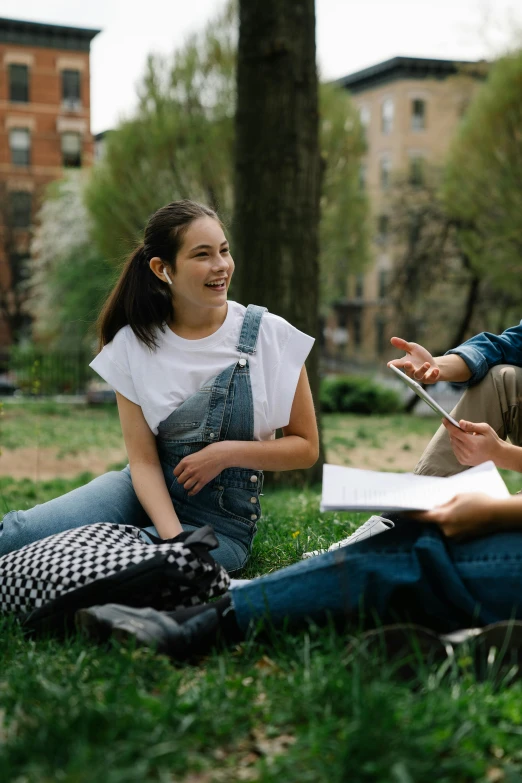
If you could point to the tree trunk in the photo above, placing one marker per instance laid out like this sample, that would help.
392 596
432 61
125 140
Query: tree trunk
277 170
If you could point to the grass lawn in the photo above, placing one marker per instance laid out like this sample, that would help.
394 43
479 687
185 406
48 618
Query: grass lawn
302 708
68 428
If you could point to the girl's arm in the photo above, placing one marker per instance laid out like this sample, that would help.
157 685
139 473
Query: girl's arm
473 514
147 475
298 449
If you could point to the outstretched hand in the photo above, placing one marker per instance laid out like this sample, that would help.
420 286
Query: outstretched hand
465 516
474 443
418 363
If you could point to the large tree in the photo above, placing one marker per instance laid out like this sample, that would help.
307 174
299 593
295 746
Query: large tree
483 188
180 144
278 164
434 288
441 294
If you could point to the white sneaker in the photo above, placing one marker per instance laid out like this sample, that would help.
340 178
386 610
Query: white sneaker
234 583
372 527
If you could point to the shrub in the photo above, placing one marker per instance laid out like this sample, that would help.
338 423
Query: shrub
351 394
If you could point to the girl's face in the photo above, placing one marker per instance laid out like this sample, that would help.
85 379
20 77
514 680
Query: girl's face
204 266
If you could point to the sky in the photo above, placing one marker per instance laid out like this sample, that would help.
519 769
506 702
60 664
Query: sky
351 34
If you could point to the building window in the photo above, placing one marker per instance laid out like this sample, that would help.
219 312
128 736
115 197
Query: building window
21 208
20 144
385 173
359 286
71 90
383 283
364 116
71 150
19 83
416 171
383 228
418 114
387 112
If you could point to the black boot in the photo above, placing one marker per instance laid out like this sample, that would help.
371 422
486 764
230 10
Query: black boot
181 634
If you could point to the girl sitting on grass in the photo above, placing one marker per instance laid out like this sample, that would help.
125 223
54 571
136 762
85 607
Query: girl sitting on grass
201 384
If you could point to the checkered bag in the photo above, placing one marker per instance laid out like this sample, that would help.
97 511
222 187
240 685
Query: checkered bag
45 582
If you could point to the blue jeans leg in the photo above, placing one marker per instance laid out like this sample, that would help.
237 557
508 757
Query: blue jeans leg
411 572
108 498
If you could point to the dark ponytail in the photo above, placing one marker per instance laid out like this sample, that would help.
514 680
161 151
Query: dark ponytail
139 298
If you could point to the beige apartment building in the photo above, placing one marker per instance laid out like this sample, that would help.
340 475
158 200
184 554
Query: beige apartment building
410 108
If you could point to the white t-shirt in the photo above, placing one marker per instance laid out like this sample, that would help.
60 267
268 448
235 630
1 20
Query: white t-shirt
159 381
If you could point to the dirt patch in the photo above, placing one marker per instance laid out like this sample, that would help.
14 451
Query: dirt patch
44 464
401 454
384 453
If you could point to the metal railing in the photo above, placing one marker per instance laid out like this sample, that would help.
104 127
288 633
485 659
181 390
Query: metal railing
41 372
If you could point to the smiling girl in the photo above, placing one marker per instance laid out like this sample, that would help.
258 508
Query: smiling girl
202 384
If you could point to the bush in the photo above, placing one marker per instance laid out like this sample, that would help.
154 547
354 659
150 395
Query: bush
349 394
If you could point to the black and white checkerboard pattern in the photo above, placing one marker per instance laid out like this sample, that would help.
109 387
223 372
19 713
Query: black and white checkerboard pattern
44 570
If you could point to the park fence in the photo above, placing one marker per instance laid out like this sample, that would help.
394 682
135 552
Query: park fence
37 372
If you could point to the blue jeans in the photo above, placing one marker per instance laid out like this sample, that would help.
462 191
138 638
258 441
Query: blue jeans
111 498
410 572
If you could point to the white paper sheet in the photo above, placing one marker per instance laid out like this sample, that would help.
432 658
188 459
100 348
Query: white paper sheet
352 489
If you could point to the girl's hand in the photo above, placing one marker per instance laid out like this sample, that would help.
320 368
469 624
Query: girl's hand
196 470
474 443
465 516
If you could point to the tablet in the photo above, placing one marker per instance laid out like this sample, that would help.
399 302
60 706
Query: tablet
423 394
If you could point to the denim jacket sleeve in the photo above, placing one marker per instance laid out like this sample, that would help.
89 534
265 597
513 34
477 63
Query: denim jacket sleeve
486 350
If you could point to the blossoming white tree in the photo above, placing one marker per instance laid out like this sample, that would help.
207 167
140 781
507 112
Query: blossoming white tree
69 275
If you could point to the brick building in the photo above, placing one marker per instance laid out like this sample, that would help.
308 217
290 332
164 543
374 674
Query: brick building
410 108
44 128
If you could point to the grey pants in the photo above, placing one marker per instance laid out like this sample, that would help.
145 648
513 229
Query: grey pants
497 400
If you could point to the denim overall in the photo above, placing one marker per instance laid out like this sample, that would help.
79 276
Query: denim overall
222 410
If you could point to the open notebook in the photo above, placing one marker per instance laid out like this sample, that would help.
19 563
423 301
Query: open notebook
351 489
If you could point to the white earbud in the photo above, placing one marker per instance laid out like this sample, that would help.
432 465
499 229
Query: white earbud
169 281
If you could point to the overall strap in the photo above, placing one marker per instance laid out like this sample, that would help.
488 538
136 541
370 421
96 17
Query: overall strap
250 329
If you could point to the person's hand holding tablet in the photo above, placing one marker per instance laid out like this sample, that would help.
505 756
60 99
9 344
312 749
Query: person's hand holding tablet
486 445
419 365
